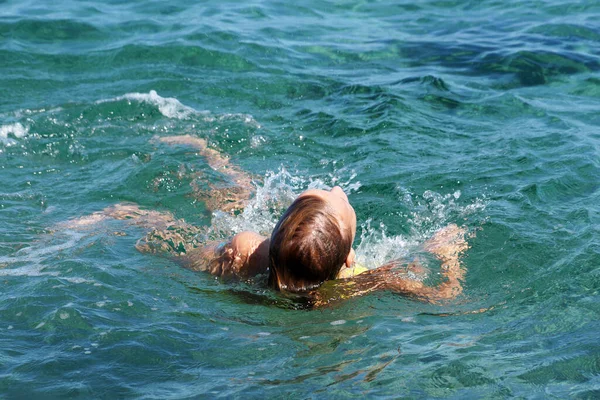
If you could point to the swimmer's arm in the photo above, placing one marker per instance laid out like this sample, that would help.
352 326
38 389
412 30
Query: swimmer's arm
223 198
391 276
447 245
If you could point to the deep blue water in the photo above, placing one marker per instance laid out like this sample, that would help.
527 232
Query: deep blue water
481 113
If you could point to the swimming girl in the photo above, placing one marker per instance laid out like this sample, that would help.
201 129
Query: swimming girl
310 245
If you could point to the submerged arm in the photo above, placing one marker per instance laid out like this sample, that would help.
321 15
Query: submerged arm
229 198
447 245
243 256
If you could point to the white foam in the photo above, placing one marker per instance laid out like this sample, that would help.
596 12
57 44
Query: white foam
17 130
433 211
375 247
277 191
28 270
170 107
257 141
428 213
245 118
274 195
33 257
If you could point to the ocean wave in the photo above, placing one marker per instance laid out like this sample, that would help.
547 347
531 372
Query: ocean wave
171 107
30 261
17 130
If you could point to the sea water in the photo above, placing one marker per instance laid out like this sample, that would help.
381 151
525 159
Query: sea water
485 114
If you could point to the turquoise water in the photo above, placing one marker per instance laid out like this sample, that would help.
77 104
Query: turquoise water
481 113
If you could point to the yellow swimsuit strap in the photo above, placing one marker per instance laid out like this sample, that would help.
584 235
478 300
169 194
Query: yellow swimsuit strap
345 272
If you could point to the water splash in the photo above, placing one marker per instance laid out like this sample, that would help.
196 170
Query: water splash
17 130
427 214
374 245
273 195
432 211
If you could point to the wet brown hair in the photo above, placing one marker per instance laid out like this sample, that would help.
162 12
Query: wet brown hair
307 246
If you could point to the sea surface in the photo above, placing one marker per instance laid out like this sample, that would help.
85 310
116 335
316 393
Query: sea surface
485 114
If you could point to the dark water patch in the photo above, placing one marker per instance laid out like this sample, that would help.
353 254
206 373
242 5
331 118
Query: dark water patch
567 31
575 370
431 90
138 28
184 55
380 111
538 68
327 124
158 9
307 90
428 81
132 55
369 92
456 56
586 394
441 101
588 87
569 9
49 31
371 106
529 66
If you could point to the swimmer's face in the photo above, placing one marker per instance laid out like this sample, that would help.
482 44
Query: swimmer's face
338 201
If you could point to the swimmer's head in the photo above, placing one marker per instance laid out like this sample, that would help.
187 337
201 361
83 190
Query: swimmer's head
312 241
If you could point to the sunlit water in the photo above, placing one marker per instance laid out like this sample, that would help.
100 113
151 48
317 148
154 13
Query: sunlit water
485 114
